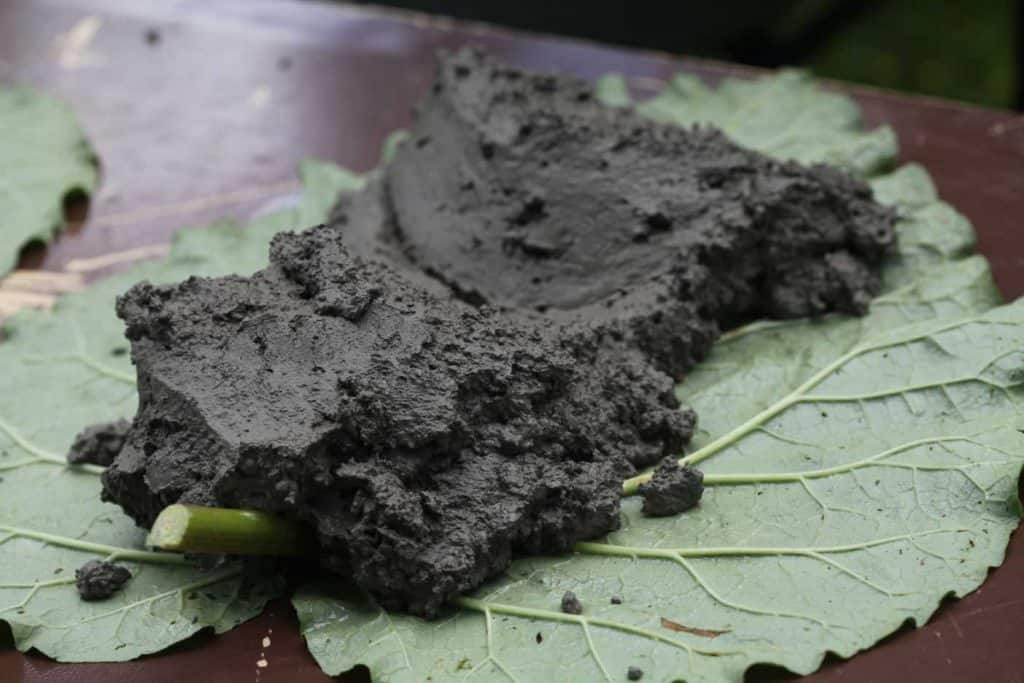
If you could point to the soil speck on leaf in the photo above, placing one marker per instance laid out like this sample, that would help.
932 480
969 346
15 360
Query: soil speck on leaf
98 580
99 444
672 489
571 604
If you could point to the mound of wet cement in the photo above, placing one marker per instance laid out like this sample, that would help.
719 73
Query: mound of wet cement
533 269
425 441
522 191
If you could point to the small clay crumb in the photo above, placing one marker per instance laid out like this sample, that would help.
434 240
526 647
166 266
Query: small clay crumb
571 604
96 580
99 444
672 489
152 36
540 638
616 600
634 673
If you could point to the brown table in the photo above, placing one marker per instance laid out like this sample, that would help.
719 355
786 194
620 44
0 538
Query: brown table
203 109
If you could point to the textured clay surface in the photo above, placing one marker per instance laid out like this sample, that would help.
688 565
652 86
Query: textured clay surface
469 359
523 191
99 444
425 440
97 580
672 489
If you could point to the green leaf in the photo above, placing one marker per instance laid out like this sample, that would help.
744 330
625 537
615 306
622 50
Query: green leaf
391 143
786 115
922 282
748 367
45 156
321 183
858 470
613 91
848 506
67 369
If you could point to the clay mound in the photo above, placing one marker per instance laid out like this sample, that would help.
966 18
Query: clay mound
523 191
534 270
424 440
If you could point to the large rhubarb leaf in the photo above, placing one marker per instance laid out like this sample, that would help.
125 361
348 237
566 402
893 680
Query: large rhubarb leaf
872 474
43 157
858 470
849 505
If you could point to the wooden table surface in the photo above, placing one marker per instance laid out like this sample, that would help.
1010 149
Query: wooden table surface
201 110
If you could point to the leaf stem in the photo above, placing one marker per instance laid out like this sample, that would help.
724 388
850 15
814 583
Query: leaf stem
223 531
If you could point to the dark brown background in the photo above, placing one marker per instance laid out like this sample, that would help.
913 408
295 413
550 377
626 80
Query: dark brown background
203 110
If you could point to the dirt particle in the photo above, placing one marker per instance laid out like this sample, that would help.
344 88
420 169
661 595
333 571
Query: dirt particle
571 604
634 673
98 580
672 489
99 444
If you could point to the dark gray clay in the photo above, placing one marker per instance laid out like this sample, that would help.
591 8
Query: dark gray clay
672 489
98 444
98 580
469 359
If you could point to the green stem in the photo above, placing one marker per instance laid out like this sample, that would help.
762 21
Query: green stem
632 485
222 531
